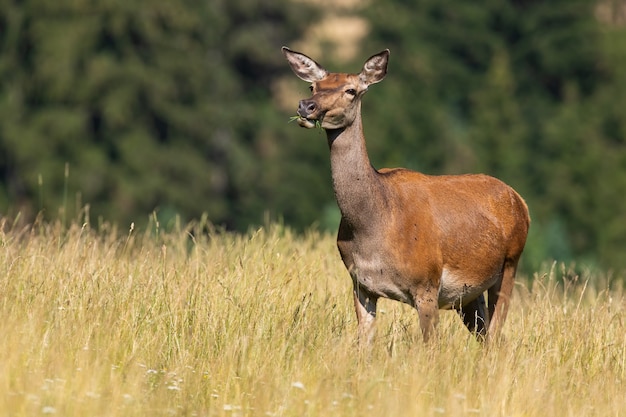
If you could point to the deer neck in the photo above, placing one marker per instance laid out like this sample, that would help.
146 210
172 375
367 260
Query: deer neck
355 182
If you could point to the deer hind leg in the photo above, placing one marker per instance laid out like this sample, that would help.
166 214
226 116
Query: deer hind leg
476 316
499 297
365 306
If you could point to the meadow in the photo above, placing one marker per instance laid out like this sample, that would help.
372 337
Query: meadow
101 321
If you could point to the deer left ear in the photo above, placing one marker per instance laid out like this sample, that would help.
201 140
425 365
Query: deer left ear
375 68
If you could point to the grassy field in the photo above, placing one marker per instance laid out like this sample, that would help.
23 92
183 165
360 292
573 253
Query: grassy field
119 323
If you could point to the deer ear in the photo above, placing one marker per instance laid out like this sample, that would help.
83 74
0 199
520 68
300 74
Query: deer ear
375 68
303 66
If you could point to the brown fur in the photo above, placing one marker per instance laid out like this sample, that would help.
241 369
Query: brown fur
429 241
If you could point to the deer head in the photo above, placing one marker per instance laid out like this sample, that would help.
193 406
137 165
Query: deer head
336 97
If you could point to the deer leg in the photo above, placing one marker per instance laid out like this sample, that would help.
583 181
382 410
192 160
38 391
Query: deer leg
365 306
499 297
475 316
428 311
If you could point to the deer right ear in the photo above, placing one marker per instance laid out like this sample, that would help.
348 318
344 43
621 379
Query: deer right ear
304 67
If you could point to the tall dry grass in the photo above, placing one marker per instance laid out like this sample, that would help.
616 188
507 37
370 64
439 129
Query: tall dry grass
202 323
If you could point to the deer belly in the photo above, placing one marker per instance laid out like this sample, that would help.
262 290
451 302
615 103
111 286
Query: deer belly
455 290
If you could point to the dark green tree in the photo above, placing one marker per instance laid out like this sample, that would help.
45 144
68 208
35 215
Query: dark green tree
525 91
153 105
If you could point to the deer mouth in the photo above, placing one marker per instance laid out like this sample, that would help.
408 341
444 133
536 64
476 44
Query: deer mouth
308 123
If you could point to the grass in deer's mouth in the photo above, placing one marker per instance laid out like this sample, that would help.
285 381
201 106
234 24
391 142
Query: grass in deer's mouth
318 124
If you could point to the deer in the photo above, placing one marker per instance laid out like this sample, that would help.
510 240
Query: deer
434 242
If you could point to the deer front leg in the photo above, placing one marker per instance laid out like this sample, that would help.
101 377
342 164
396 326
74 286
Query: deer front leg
365 306
426 303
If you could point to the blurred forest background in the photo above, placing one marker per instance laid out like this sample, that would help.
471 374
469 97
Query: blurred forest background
181 108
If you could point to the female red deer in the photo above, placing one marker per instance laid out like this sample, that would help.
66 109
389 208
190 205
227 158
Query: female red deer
433 242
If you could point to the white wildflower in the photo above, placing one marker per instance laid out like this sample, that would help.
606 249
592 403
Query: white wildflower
298 385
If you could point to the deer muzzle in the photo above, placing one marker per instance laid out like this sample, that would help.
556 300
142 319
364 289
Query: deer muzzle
306 110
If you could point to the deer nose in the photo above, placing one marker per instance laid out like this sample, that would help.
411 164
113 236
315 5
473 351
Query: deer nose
306 107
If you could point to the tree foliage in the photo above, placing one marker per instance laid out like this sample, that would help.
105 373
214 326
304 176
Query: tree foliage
519 90
172 107
153 105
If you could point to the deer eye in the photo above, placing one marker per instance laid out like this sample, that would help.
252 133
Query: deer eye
351 91
311 87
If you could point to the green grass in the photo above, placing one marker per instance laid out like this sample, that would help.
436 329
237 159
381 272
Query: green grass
114 323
